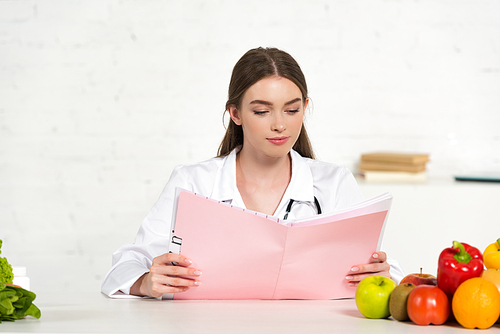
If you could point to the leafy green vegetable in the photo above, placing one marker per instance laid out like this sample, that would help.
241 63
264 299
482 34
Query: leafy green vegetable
6 274
17 303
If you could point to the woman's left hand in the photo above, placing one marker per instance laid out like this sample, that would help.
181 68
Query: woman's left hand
378 266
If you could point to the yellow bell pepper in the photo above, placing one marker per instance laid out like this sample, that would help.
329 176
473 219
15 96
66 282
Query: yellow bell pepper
491 256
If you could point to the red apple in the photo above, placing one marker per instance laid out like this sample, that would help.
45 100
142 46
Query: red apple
419 279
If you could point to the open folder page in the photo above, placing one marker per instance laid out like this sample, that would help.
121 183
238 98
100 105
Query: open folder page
248 255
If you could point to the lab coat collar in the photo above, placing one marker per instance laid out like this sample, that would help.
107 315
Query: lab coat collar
225 188
299 189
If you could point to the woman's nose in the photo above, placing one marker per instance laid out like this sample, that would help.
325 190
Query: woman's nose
278 124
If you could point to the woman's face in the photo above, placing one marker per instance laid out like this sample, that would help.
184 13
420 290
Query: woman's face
271 115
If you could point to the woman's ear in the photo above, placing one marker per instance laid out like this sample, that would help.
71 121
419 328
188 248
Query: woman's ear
235 115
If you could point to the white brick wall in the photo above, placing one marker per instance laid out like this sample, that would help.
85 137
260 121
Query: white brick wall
100 99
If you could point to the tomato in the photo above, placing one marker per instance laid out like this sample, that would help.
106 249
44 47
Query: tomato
428 304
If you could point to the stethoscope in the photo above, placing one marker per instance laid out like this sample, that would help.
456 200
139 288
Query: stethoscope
290 203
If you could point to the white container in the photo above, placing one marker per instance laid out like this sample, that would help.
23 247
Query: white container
20 277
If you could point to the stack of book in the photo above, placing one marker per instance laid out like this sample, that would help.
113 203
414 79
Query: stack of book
393 167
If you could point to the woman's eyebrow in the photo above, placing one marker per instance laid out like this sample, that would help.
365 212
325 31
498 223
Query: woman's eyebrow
293 101
267 103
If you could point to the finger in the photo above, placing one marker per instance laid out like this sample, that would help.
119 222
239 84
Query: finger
182 282
371 268
167 270
176 289
159 289
354 279
174 281
379 257
153 286
165 284
172 259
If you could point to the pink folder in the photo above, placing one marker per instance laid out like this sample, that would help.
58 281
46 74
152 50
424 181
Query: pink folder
248 255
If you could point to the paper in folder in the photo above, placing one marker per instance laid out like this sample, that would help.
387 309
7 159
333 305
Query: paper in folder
248 255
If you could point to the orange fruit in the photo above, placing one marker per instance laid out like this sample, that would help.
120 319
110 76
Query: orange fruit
476 303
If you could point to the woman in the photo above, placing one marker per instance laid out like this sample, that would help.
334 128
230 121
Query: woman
265 164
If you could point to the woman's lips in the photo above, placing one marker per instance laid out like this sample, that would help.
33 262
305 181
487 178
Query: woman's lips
278 140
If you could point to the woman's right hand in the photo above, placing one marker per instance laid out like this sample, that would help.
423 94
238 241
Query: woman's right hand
163 276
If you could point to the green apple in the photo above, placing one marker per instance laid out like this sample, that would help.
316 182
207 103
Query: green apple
373 295
399 301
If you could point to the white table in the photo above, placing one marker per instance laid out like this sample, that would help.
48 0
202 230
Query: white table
95 313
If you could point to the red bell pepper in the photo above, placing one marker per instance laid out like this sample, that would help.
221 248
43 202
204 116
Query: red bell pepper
456 265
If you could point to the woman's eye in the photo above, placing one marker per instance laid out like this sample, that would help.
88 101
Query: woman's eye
293 111
256 112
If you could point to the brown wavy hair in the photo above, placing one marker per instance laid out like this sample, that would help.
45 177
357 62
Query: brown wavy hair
255 65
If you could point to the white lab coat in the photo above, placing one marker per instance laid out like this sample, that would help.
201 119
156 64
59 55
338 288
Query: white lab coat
333 185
